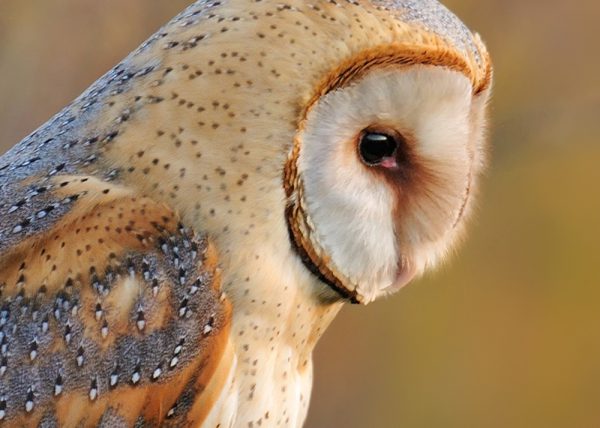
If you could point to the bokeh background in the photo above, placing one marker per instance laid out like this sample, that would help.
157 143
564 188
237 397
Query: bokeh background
508 334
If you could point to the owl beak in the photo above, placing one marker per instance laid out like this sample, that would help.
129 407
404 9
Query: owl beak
406 274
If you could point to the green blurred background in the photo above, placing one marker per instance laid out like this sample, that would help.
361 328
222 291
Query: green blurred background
508 334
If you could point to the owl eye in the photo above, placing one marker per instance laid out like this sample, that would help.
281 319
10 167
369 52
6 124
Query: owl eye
374 147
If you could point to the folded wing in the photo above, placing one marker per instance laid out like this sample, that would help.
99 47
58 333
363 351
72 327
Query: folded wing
111 314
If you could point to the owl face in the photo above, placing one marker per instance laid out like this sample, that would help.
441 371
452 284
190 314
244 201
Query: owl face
386 169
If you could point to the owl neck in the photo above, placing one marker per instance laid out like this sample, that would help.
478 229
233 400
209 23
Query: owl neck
278 304
278 316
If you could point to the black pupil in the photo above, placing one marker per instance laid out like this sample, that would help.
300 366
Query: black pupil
375 147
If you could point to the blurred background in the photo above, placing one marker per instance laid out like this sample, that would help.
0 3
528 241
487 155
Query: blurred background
508 333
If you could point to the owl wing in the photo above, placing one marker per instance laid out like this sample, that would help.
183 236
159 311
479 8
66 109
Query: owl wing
111 312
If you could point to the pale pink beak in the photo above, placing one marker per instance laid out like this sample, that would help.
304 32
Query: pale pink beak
405 275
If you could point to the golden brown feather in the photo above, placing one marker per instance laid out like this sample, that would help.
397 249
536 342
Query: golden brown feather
113 312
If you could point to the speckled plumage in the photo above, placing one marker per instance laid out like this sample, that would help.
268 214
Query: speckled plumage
115 214
435 18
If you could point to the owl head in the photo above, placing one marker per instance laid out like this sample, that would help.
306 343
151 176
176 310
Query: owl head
338 140
388 152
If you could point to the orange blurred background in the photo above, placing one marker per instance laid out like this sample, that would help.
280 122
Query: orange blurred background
508 334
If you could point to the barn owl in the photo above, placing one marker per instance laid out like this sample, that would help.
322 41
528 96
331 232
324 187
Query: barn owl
175 241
